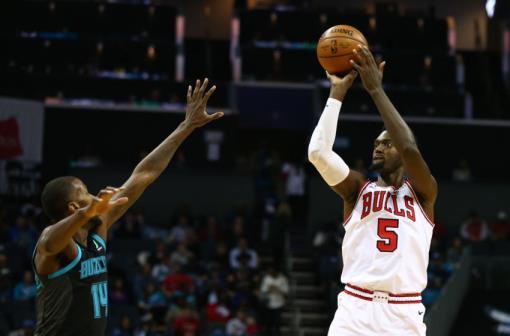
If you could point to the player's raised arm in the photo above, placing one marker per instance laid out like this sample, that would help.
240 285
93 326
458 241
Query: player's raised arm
330 165
58 236
149 169
401 135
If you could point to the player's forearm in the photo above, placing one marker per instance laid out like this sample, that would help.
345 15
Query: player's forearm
320 150
157 160
400 133
56 237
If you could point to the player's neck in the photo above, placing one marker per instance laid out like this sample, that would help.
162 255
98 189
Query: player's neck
81 236
394 179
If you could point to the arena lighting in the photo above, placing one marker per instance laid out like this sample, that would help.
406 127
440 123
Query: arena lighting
490 6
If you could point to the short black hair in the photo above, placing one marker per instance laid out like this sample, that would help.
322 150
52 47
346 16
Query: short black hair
56 195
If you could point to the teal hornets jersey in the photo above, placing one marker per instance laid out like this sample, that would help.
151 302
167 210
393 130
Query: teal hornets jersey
74 300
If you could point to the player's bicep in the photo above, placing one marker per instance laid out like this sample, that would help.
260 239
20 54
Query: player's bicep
420 176
349 188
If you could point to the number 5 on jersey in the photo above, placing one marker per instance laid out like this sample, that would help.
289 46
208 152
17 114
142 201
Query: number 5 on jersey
99 291
389 241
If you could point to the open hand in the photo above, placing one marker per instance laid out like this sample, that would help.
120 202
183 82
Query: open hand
102 203
371 74
196 114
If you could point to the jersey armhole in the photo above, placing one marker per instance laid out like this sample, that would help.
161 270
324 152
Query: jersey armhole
356 203
98 239
419 204
69 266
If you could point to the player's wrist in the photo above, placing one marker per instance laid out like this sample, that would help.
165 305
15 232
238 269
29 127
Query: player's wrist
376 91
337 93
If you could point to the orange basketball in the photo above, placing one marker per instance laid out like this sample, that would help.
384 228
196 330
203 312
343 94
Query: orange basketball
334 50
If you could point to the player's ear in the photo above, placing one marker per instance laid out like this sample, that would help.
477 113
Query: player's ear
72 206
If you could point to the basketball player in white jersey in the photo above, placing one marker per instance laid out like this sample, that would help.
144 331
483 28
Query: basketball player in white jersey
388 222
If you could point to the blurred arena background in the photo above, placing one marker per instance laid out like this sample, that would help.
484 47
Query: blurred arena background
88 87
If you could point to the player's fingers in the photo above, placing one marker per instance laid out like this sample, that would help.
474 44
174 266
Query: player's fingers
208 94
359 56
327 74
197 87
105 194
381 66
120 201
216 115
356 65
369 55
204 86
351 76
188 94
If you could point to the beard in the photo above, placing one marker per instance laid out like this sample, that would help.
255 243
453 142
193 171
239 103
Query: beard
376 166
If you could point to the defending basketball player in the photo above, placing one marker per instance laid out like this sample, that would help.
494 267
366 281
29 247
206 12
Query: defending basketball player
70 256
388 222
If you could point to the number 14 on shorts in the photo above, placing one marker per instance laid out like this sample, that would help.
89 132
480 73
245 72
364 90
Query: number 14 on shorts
99 292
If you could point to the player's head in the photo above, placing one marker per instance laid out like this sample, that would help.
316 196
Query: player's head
385 157
62 196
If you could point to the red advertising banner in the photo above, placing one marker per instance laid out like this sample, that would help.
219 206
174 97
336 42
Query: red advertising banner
10 144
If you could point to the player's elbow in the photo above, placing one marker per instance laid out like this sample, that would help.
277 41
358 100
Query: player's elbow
314 155
45 245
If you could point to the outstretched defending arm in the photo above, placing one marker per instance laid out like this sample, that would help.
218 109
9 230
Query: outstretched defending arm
149 169
330 165
401 135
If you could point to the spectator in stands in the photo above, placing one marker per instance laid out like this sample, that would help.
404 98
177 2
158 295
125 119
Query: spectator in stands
455 251
209 236
273 290
241 254
118 294
500 228
475 228
462 173
162 268
141 279
237 230
27 329
237 325
294 179
24 233
218 312
187 323
181 255
182 232
26 289
130 227
177 280
125 329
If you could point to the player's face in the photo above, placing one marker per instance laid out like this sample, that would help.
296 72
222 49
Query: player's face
385 157
82 195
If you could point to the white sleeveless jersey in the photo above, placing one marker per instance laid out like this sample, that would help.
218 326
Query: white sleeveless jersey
387 240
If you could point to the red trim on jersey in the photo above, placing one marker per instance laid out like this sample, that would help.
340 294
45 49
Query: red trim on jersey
370 299
404 302
361 289
419 204
357 200
390 294
405 295
356 295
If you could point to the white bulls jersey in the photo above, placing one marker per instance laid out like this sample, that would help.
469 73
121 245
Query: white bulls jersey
387 241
